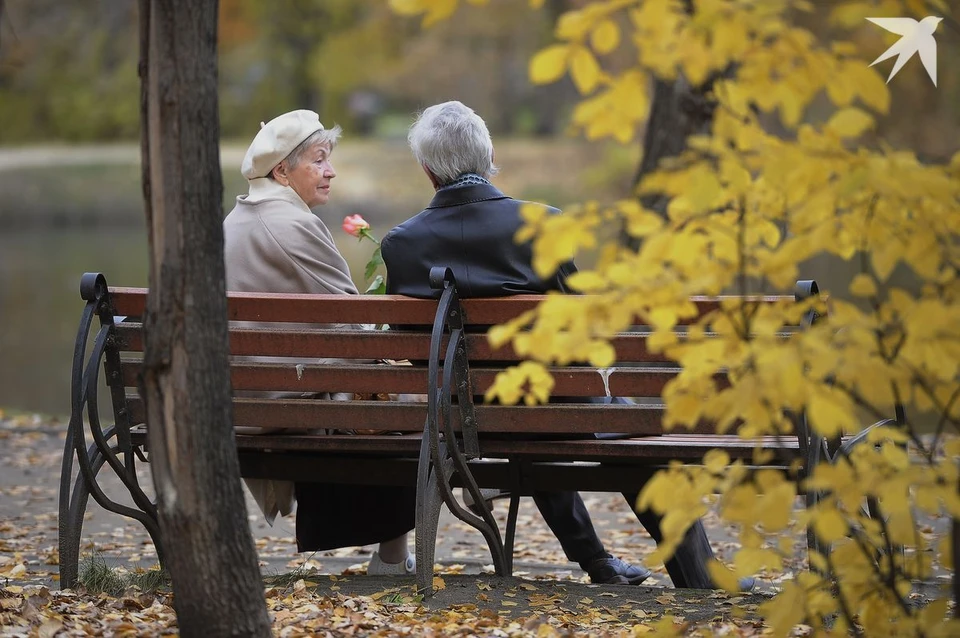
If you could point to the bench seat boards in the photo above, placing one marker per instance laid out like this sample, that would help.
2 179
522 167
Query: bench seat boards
665 447
638 374
395 309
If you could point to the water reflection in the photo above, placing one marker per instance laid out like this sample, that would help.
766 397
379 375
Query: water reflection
40 305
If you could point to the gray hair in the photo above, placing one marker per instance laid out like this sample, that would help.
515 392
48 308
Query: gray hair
323 136
450 140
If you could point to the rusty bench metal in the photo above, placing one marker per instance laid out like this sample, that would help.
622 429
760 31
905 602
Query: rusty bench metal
448 441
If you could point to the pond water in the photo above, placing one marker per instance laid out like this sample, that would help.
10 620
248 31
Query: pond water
40 305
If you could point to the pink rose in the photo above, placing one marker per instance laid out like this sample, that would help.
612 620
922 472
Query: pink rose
354 224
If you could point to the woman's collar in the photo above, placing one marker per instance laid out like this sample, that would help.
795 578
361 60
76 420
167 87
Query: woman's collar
263 188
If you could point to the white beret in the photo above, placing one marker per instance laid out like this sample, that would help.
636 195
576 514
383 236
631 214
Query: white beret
276 139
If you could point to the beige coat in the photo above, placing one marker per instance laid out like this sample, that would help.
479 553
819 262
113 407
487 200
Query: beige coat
273 243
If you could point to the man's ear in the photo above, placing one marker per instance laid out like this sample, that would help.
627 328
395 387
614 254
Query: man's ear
431 176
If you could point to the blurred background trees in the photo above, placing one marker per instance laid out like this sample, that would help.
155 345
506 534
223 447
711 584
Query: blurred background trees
68 69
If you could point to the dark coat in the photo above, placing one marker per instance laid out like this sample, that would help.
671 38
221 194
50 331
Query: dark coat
470 230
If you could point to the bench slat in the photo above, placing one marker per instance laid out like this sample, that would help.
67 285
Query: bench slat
575 382
305 414
669 446
306 344
365 308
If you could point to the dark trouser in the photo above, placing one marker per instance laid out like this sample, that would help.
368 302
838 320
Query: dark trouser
568 519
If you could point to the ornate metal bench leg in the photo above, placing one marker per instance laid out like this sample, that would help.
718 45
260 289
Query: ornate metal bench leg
511 531
429 502
70 522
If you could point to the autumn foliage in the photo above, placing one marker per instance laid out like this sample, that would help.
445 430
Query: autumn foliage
769 188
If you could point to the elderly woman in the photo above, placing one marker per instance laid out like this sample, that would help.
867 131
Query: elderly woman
274 243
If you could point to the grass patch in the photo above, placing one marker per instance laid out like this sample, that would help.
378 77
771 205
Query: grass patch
99 578
287 580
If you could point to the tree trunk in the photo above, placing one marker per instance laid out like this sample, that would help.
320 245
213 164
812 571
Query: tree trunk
678 111
211 557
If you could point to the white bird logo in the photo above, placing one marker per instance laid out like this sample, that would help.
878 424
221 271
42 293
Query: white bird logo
916 37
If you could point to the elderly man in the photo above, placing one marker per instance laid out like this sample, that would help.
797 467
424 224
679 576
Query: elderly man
469 227
274 243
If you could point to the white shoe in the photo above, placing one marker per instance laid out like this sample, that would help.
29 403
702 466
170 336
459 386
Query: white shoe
378 567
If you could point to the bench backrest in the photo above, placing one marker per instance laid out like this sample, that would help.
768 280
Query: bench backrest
276 338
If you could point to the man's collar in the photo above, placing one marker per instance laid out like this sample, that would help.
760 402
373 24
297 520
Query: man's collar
465 195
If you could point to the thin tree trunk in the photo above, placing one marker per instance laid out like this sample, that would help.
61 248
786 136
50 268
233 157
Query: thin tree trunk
678 111
211 557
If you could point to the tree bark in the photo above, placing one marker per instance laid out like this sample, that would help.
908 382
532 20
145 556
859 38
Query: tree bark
218 590
678 111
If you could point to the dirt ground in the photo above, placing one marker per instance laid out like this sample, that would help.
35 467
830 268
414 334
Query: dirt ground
544 581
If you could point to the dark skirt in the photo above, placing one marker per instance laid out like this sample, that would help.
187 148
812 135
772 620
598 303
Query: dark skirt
330 516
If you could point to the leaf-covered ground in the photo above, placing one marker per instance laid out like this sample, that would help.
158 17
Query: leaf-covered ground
328 593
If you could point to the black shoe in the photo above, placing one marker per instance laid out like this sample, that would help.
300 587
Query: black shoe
613 571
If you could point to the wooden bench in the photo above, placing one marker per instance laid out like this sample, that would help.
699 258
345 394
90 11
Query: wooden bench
444 443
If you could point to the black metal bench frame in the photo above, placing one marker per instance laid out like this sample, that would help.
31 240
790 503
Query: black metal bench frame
447 455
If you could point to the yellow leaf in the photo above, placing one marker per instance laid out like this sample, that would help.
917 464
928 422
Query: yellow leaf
574 25
840 91
869 85
850 122
884 258
643 223
536 4
722 577
605 36
584 70
438 583
850 14
716 461
549 64
587 281
750 561
830 412
863 286
830 525
785 611
409 7
683 409
602 354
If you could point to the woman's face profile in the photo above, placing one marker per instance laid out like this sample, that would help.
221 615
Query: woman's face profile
311 178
